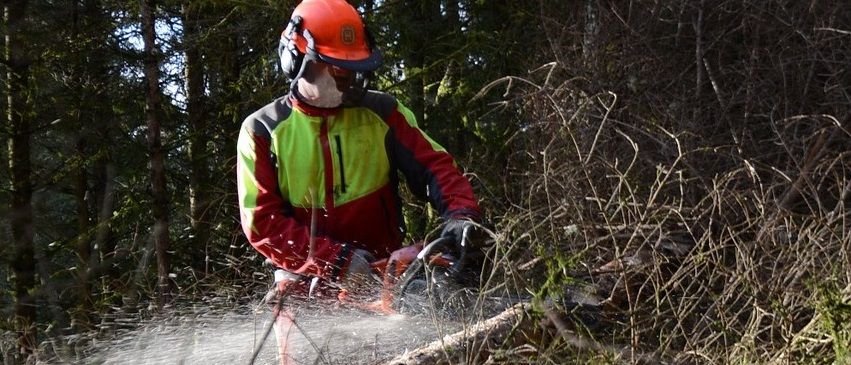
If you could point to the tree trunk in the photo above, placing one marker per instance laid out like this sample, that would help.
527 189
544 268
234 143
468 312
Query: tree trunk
104 236
83 242
198 174
84 248
698 63
415 61
21 216
156 154
591 33
97 120
223 71
453 122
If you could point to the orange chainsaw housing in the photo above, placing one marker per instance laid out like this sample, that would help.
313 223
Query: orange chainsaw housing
390 270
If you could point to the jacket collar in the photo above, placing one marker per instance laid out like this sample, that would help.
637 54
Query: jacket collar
296 102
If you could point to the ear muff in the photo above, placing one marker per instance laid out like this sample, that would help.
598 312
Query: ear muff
291 58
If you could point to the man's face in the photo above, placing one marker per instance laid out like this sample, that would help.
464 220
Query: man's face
323 85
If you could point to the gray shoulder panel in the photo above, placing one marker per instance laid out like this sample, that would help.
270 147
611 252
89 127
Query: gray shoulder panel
380 103
266 119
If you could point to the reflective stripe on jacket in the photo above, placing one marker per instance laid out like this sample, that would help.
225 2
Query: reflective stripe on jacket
293 158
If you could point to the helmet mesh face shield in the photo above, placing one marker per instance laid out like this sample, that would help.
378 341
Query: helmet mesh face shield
330 31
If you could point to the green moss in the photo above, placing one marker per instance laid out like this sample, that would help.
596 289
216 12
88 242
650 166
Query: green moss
835 310
559 265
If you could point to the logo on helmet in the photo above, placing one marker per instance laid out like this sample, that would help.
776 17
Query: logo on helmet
347 34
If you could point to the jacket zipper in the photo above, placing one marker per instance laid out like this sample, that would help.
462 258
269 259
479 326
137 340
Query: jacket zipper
340 160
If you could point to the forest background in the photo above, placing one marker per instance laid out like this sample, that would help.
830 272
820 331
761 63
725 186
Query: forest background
699 147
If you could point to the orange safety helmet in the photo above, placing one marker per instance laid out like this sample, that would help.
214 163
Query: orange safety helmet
328 30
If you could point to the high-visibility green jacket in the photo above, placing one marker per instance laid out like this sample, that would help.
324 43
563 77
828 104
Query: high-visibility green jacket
341 164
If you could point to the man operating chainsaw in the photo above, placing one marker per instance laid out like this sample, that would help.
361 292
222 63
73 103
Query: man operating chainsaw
318 168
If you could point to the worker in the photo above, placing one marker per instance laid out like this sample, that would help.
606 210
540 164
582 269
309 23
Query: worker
317 169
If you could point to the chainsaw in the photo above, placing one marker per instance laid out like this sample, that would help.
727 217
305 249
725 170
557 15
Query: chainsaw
423 277
435 276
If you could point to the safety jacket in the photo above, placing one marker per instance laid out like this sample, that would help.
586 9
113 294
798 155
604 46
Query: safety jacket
337 169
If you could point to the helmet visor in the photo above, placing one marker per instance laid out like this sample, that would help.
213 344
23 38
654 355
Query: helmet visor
368 64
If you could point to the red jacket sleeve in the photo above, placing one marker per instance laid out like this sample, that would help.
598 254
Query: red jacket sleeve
266 217
429 170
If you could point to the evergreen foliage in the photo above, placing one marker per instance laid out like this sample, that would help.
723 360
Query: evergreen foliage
706 140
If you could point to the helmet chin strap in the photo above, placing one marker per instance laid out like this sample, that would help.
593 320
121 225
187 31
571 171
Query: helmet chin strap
309 56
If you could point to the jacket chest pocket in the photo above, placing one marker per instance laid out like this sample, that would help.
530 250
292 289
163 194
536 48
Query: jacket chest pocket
360 162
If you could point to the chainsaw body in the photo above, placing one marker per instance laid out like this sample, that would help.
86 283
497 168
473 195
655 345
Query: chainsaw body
423 277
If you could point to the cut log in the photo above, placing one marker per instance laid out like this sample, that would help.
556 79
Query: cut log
473 345
486 342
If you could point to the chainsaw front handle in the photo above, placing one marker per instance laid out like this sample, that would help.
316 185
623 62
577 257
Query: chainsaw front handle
458 252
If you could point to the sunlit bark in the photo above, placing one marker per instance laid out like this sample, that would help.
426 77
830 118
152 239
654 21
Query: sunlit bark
198 136
156 154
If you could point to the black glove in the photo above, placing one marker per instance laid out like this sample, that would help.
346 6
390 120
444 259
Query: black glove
459 230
